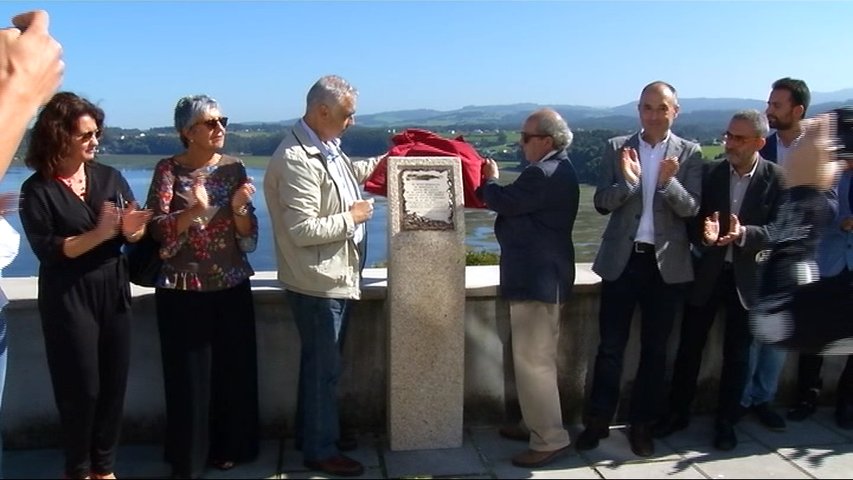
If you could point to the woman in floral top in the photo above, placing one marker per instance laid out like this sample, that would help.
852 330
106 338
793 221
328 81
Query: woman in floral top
205 222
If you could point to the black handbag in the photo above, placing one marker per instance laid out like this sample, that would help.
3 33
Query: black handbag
143 260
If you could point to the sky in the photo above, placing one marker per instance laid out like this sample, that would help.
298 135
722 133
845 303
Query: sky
135 59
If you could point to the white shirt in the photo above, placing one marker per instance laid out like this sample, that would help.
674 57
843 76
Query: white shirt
650 158
340 173
737 190
782 150
10 240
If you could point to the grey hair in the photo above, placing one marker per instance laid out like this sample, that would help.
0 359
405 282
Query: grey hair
190 108
330 90
552 124
757 119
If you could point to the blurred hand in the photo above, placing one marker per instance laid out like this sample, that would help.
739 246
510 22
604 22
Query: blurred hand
200 199
847 224
31 58
668 169
109 221
361 210
812 161
9 203
630 163
133 220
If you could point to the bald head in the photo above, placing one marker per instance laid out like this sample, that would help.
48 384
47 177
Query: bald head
547 121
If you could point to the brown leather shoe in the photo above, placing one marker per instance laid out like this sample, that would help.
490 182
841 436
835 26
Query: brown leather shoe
514 432
534 458
339 465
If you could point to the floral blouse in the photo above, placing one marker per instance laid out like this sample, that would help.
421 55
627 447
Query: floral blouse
211 254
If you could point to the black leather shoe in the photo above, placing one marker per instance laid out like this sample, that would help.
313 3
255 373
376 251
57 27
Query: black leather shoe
724 437
670 424
595 430
844 416
769 418
640 437
801 411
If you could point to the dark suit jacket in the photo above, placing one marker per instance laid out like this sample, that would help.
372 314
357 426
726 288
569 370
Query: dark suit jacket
760 204
768 151
536 215
673 206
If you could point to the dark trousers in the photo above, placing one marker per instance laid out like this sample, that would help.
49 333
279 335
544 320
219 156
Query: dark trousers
640 283
86 330
695 326
321 322
210 376
809 379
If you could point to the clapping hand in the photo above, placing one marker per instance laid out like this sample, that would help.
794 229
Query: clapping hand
243 195
734 232
630 163
9 203
200 199
109 221
711 229
133 221
668 169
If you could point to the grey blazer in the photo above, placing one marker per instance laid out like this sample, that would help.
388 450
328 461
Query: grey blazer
759 208
673 205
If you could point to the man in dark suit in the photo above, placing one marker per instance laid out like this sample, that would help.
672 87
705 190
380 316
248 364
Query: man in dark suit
650 185
740 197
789 99
536 215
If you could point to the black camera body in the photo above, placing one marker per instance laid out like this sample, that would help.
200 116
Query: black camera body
844 132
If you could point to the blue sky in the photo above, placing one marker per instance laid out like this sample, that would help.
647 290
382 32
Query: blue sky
135 59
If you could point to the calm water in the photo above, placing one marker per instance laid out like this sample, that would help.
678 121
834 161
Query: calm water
479 224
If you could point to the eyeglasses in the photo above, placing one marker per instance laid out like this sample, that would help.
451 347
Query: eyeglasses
88 136
729 137
525 137
212 122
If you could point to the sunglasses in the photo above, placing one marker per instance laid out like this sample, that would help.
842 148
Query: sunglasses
525 137
211 123
88 136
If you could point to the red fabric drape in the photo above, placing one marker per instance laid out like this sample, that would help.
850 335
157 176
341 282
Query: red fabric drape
423 143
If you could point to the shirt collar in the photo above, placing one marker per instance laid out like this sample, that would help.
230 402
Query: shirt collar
329 149
662 142
748 174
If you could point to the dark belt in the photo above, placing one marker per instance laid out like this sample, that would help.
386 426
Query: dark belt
640 247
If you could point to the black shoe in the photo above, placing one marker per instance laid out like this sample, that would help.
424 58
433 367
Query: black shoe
640 438
844 416
725 438
768 417
595 430
801 411
670 424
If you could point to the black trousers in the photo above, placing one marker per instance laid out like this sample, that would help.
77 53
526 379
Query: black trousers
640 283
86 326
210 376
695 325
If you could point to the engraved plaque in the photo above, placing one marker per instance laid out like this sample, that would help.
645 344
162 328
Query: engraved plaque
427 200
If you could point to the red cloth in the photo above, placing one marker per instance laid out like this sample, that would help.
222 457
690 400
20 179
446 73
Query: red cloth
423 143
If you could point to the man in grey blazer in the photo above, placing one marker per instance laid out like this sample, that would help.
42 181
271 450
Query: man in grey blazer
650 185
741 196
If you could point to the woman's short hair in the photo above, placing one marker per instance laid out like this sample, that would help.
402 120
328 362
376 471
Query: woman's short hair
189 109
53 133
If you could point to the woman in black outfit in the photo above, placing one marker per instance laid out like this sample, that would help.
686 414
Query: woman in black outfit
76 229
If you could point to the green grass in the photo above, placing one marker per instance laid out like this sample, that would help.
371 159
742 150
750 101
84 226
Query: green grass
712 151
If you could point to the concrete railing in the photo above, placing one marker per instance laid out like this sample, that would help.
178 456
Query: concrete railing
30 418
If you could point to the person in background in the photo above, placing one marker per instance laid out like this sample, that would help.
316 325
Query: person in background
536 215
650 186
206 225
76 220
835 263
31 69
741 195
786 108
318 216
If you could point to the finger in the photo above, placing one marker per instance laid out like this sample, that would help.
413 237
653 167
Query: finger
716 216
36 21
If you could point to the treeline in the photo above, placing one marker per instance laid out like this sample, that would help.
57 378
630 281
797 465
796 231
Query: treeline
585 152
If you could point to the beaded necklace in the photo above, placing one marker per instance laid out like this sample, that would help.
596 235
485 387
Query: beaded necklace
76 182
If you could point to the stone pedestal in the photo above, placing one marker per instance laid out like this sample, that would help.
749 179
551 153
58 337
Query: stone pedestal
426 301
